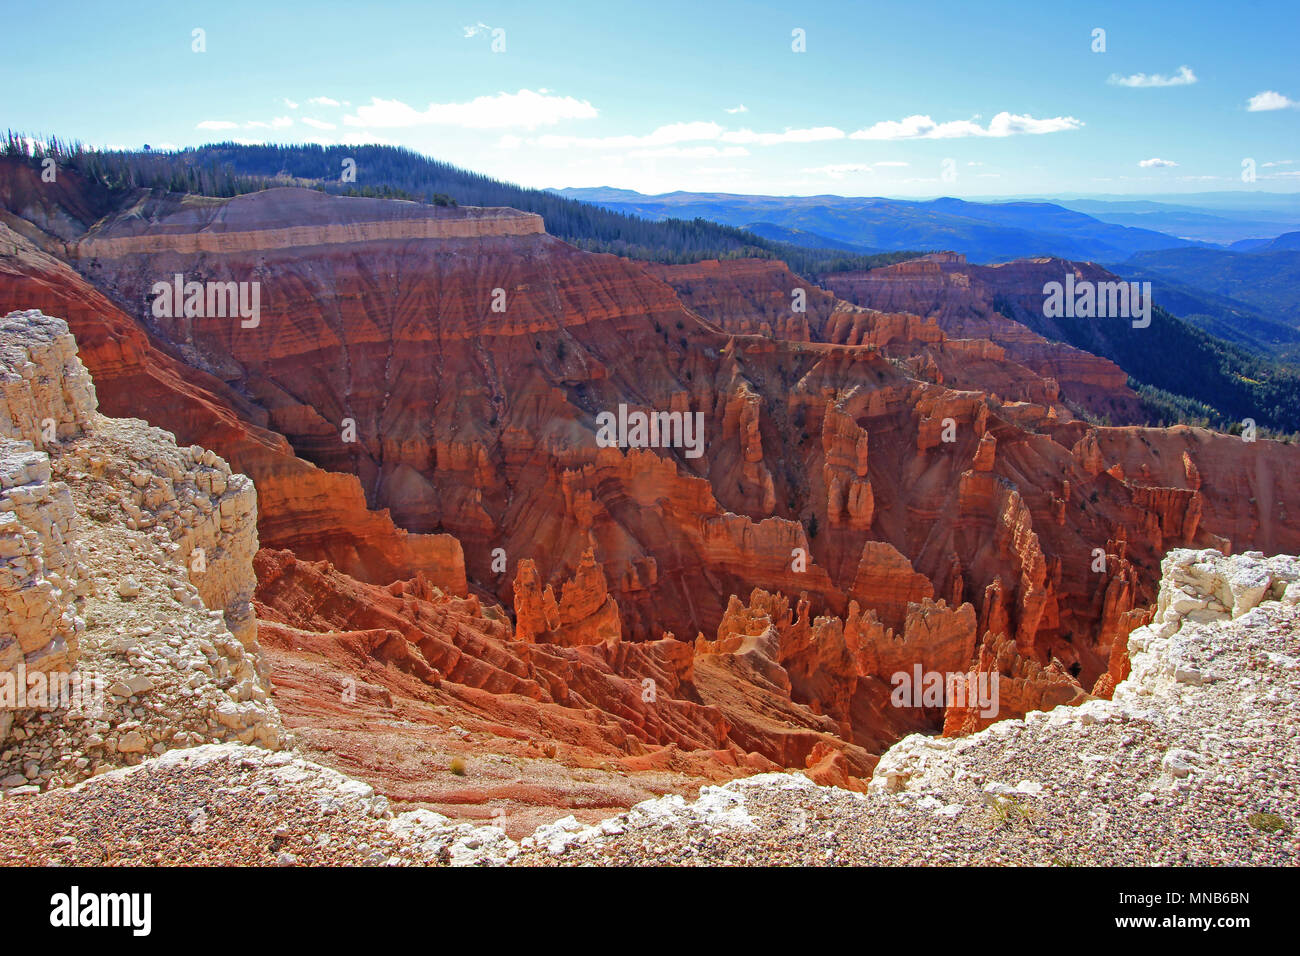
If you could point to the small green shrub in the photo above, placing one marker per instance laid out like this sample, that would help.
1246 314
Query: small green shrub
1268 823
1009 810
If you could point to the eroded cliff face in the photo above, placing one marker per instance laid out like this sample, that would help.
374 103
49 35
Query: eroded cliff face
383 682
968 302
320 514
917 492
285 218
482 423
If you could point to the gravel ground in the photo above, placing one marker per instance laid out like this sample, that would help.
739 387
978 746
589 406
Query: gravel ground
224 805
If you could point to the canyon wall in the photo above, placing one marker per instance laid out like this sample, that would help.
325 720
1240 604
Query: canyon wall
888 487
200 225
320 514
968 302
481 423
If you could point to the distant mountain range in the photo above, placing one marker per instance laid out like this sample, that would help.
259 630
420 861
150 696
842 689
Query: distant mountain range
1286 241
1247 295
987 231
1222 224
984 232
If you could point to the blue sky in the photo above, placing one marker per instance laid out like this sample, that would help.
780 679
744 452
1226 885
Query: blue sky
896 99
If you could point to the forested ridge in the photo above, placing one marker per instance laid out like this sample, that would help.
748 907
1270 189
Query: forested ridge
390 172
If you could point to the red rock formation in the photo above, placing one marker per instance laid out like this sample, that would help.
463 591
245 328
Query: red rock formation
675 534
585 614
409 645
455 644
961 299
870 460
845 668
311 511
751 297
829 768
1022 685
849 498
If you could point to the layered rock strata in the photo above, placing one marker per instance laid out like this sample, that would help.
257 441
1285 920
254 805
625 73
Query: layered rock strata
883 460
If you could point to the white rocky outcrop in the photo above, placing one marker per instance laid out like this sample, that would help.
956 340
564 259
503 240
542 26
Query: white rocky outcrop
124 559
41 574
45 396
42 381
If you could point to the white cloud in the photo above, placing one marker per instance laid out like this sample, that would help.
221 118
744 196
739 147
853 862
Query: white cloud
1280 162
1270 100
476 29
914 127
688 152
289 103
736 109
527 109
280 122
839 170
814 134
322 101
1184 77
663 136
318 124
696 131
366 138
1004 124
1156 163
